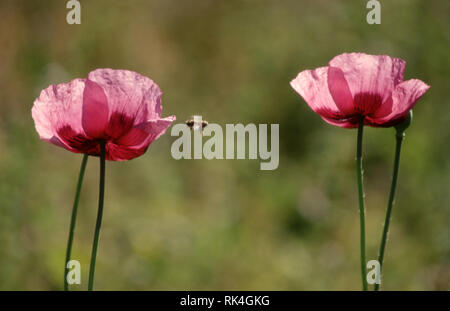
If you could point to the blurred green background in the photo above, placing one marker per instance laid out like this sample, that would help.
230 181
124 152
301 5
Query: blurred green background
224 225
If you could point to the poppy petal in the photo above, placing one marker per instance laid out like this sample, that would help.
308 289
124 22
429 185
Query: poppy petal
137 140
129 94
375 75
340 90
312 85
404 98
95 110
146 132
59 106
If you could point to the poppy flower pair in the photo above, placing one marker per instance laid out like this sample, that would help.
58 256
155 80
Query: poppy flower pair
116 115
123 108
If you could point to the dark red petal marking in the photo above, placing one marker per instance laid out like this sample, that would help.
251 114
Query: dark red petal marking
331 114
367 103
78 141
119 124
121 153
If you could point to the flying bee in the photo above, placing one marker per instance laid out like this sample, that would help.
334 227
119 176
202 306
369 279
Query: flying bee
196 123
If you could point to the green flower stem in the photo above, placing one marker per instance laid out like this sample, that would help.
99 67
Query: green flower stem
73 220
359 173
99 216
399 137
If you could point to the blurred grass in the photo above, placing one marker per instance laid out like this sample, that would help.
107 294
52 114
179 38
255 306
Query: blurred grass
224 224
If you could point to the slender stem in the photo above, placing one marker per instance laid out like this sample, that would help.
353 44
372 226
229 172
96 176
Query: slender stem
359 173
99 216
398 148
73 220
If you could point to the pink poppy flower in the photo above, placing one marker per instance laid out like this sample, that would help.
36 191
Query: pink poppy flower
357 84
117 107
